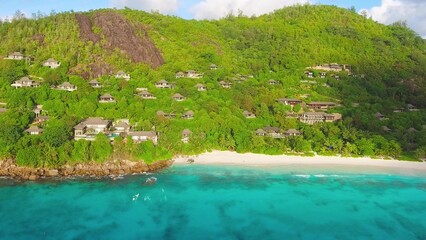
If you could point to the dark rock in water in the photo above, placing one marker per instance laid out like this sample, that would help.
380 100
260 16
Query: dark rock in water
190 161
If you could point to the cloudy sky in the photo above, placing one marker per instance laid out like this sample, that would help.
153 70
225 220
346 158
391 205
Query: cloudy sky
384 11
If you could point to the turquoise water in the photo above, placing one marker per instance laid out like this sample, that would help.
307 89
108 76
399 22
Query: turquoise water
206 202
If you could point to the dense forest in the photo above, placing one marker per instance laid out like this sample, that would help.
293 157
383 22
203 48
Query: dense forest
381 100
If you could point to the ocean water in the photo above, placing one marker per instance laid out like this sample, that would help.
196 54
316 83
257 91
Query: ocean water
210 202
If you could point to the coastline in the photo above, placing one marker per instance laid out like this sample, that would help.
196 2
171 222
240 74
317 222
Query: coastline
112 169
347 164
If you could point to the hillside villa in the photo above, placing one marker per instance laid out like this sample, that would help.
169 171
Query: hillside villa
321 105
188 115
319 117
213 66
273 82
163 84
34 130
66 86
178 97
106 98
15 56
25 82
248 114
146 95
201 87
122 74
89 128
289 101
189 74
225 84
186 134
332 67
95 84
166 115
51 63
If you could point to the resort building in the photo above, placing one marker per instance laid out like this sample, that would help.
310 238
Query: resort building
90 127
147 95
213 66
188 115
412 108
122 74
318 117
201 87
178 97
25 82
106 98
34 130
143 136
273 82
186 134
321 105
51 63
66 86
16 56
163 84
95 84
166 115
189 74
333 67
380 116
225 84
292 132
248 114
289 101
261 132
121 126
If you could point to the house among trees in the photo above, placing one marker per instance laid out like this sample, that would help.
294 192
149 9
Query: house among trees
261 132
333 67
66 86
318 117
380 116
163 84
38 110
180 75
186 134
146 95
323 74
25 82
15 56
309 74
166 115
143 136
95 84
90 127
289 101
51 63
106 98
122 74
412 108
188 115
178 97
273 132
273 82
213 66
292 132
225 84
201 87
193 74
34 130
248 114
386 129
121 126
3 110
41 119
321 105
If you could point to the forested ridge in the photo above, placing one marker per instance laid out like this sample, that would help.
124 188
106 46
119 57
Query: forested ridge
387 77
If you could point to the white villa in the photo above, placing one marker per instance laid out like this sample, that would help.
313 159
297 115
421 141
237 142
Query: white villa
51 63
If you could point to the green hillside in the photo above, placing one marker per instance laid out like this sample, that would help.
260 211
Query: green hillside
387 72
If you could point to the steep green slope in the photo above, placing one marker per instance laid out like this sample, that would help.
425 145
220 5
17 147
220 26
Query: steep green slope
387 62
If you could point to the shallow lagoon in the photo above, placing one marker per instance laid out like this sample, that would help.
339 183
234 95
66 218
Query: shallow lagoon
218 202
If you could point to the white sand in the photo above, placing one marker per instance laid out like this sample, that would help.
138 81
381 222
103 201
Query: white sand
324 162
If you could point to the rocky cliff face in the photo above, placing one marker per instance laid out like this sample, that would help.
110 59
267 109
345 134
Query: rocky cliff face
131 40
8 168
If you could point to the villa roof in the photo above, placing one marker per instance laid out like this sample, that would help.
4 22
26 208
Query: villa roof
51 60
121 72
322 103
34 129
66 84
106 95
272 129
162 81
292 131
121 124
96 121
178 95
260 131
189 113
186 132
199 85
25 79
94 81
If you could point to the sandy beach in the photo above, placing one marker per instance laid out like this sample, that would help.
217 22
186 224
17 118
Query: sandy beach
363 164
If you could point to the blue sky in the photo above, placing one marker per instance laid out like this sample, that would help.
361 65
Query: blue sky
384 11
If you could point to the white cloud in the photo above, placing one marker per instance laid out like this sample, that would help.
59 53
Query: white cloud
163 6
214 9
412 11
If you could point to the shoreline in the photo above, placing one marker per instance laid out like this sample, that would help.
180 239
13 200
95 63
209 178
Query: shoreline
347 164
